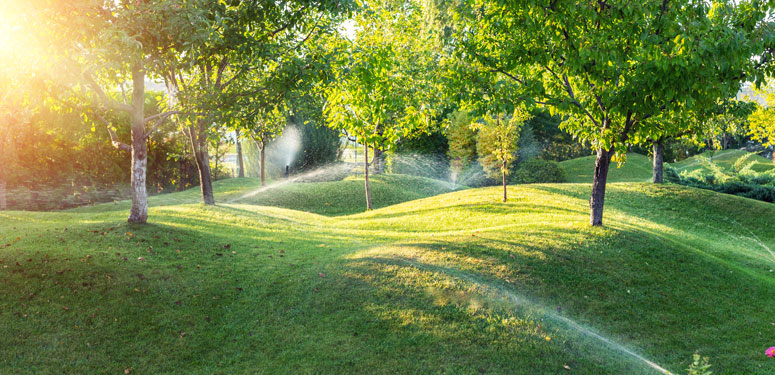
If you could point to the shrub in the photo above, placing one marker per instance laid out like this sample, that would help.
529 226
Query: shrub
539 171
699 366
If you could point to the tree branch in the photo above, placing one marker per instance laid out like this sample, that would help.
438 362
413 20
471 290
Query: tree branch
113 137
106 101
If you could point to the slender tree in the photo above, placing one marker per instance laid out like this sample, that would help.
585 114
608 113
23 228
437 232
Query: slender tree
498 143
381 90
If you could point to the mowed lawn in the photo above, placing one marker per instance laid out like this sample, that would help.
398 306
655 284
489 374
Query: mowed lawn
452 284
637 168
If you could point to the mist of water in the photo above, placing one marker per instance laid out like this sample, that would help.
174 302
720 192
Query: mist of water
550 315
327 173
287 146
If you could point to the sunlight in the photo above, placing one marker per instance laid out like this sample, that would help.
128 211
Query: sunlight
18 46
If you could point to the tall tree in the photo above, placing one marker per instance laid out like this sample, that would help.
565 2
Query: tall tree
610 66
381 91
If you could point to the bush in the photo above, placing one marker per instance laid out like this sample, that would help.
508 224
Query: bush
539 171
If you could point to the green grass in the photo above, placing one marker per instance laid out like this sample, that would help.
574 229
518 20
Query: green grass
456 284
636 169
343 197
725 159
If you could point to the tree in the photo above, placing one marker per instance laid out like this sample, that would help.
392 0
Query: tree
106 45
761 121
240 159
462 141
264 126
227 51
381 91
498 143
608 67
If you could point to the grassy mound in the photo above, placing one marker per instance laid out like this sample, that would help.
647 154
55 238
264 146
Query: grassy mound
636 169
340 197
325 198
725 159
457 283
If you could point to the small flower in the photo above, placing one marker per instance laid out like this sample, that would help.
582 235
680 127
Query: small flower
770 352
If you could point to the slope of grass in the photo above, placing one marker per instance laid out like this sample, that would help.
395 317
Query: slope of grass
457 283
725 159
346 196
636 169
325 198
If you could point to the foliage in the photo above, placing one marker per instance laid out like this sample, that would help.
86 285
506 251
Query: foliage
699 366
320 146
613 70
461 137
761 121
539 171
382 91
424 155
497 141
741 179
528 146
59 167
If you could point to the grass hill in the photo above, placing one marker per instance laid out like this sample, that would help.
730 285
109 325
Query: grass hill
457 283
341 197
636 169
725 159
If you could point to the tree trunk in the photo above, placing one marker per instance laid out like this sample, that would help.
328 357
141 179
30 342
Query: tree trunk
138 214
366 174
658 162
377 161
503 173
263 164
240 161
202 157
597 199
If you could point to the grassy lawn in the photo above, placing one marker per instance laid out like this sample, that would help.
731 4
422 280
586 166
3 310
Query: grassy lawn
456 284
637 169
725 159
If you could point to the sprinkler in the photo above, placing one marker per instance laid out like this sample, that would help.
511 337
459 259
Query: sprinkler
287 171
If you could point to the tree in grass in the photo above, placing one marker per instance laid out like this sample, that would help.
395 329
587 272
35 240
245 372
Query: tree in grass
381 91
608 67
497 143
227 50
262 126
101 47
711 126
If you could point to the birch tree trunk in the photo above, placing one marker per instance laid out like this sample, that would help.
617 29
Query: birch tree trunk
138 214
240 161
